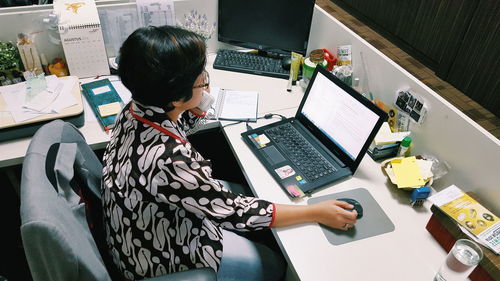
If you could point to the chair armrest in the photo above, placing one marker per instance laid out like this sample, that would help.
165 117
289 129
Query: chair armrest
197 274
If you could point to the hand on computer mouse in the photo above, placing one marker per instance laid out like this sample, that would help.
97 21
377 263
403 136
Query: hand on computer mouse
355 206
335 214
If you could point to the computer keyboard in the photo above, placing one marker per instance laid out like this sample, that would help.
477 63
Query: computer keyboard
250 63
305 157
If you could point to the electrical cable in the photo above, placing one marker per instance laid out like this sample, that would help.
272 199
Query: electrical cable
266 116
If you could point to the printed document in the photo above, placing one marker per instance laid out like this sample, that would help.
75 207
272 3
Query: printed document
470 215
235 105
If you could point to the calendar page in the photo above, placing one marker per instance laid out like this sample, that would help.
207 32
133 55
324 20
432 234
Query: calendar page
81 36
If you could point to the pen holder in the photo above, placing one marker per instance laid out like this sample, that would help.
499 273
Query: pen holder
34 84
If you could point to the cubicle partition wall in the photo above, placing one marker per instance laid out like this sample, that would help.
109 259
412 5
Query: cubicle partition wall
472 153
408 252
35 20
29 20
446 133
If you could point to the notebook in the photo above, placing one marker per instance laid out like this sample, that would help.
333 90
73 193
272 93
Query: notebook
235 105
104 100
324 142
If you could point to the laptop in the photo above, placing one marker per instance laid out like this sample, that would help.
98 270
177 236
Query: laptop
324 142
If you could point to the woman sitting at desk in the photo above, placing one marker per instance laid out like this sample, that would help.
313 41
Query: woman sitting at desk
163 210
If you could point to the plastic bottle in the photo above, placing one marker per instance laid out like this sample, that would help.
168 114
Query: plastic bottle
404 146
355 85
45 64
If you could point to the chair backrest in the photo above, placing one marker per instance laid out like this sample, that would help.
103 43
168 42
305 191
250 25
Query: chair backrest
61 212
56 237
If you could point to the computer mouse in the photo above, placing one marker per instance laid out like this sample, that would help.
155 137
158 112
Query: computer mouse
356 205
286 62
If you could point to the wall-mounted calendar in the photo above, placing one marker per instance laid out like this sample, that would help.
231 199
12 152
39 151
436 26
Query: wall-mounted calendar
81 37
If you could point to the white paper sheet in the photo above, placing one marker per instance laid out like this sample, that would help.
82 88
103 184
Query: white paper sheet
15 98
156 13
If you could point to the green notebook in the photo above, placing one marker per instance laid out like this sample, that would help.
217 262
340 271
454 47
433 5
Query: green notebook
104 101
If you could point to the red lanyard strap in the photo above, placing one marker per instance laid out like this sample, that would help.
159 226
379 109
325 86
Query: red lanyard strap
155 126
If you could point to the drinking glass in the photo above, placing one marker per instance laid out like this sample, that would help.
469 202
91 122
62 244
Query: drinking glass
460 261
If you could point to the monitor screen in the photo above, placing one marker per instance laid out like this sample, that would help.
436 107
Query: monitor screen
275 26
342 118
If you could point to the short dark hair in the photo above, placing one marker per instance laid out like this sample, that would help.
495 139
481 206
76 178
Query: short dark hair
159 65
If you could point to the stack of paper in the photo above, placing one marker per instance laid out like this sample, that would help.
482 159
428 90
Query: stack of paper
386 136
409 172
52 100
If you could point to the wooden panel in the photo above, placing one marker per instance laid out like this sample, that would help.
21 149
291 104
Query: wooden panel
445 51
458 39
425 28
476 70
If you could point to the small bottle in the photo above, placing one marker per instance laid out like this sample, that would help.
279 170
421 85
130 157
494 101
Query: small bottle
45 64
404 146
355 85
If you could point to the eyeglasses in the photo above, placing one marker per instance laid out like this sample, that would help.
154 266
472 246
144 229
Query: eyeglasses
205 85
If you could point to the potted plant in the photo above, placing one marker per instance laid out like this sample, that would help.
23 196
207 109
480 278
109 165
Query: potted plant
10 61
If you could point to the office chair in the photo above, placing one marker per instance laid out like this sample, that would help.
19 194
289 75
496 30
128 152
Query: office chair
61 223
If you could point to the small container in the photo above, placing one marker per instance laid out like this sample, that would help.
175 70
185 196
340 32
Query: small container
34 84
404 146
45 64
355 85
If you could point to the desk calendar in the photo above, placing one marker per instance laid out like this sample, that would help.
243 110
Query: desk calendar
81 37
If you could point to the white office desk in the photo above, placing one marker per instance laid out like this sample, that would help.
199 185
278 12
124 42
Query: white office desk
272 96
407 253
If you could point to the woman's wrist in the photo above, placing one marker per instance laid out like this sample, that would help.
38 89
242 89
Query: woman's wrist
295 214
315 213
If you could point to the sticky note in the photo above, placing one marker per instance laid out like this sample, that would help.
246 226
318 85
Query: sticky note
101 90
295 191
263 139
109 109
407 172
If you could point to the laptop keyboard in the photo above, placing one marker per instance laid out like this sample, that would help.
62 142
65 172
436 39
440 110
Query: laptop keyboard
305 157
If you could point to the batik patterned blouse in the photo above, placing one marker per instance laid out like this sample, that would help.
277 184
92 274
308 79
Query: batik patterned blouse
163 210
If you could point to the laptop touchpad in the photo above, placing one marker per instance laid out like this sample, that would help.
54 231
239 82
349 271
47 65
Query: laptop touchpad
273 155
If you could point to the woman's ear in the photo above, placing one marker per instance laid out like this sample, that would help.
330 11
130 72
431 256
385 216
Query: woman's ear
177 103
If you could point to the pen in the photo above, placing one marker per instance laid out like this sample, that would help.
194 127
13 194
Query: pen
289 85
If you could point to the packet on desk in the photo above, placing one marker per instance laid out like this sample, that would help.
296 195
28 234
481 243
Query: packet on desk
472 216
344 55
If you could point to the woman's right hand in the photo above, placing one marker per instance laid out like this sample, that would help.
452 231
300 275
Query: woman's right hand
332 213
335 214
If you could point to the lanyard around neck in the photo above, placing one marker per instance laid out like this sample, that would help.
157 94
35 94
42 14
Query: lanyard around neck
155 126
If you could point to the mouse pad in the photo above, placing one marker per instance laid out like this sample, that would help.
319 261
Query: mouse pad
374 221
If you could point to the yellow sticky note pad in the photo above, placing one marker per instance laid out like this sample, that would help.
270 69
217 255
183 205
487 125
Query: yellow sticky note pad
407 172
109 109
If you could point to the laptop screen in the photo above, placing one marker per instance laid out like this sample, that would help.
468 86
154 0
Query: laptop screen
343 119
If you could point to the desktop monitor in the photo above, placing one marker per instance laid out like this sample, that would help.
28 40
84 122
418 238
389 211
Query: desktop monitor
271 26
